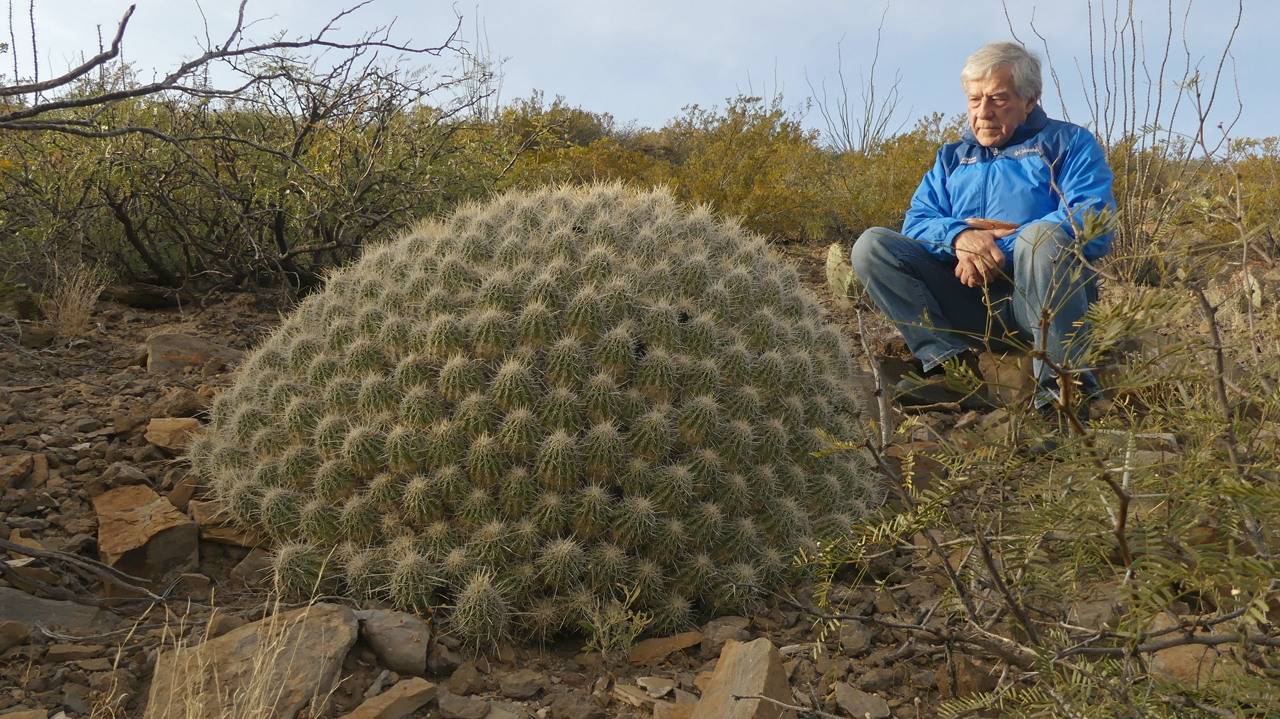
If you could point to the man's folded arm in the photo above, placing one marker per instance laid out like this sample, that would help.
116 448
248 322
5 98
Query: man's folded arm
929 219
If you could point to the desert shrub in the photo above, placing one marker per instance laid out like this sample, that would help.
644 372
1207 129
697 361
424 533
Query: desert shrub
271 185
873 187
752 160
71 296
539 405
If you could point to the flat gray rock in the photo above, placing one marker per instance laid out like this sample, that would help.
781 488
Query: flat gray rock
860 704
275 667
453 706
18 606
399 639
167 351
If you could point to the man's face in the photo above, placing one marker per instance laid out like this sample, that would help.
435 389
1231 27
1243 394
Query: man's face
995 110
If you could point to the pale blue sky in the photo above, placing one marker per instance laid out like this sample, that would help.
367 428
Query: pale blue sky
644 60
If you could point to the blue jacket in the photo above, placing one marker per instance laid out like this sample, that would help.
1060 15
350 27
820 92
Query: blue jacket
1012 183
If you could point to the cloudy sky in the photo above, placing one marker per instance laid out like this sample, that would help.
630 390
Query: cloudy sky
645 60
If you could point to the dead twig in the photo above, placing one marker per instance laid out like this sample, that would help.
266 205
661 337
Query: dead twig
784 705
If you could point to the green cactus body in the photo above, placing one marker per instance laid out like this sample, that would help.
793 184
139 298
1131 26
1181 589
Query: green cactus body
514 414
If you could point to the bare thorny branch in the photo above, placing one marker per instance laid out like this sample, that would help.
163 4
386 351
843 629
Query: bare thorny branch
230 50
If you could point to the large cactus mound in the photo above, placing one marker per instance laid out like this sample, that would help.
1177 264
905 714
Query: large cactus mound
550 401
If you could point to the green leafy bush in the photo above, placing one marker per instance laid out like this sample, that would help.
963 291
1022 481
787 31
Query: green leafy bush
541 404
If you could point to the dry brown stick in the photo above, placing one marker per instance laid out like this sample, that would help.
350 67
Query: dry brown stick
961 590
104 571
939 407
1006 649
19 579
1219 386
882 401
1123 498
1190 703
1014 604
784 705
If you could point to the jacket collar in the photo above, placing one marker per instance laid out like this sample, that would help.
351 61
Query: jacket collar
1035 122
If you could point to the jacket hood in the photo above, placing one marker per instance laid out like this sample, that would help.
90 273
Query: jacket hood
1035 122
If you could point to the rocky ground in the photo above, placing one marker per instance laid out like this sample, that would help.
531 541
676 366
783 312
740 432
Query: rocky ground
92 432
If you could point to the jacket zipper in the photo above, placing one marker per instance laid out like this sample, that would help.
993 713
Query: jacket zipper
986 179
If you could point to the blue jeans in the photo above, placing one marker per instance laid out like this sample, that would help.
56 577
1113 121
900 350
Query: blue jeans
939 317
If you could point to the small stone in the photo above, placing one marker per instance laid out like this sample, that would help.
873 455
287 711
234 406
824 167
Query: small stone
172 351
876 680
27 610
253 569
399 639
522 684
222 624
401 700
34 524
653 651
39 472
216 525
34 338
656 687
746 669
922 588
860 704
28 714
573 705
71 652
195 586
12 634
182 492
17 537
76 698
172 433
84 425
855 638
498 710
721 630
443 660
466 680
971 678
14 469
124 474
1190 664
101 664
632 695
135 518
453 706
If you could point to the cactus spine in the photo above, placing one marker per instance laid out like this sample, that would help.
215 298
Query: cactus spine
536 405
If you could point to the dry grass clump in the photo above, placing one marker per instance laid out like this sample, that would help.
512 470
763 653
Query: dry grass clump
190 684
71 297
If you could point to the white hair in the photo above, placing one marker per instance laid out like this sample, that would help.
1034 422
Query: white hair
1022 64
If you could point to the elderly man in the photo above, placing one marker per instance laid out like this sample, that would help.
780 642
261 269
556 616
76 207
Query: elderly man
991 248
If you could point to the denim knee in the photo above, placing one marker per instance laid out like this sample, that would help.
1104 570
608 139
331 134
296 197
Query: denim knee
1040 243
872 251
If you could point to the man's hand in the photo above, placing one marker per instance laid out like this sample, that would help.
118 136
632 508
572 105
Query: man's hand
979 259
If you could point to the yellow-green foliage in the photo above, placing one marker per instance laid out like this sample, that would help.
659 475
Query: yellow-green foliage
266 197
558 399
